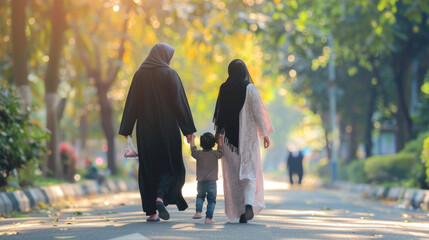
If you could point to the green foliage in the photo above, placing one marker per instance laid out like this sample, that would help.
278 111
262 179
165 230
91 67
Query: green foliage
416 146
44 181
22 139
356 172
322 170
425 158
390 168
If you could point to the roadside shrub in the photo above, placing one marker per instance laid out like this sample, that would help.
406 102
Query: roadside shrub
356 172
390 168
425 158
22 139
418 173
322 169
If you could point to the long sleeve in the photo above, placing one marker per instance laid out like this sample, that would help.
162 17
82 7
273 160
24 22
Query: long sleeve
260 115
195 152
129 116
181 108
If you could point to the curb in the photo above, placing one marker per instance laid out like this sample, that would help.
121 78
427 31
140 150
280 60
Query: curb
24 200
406 197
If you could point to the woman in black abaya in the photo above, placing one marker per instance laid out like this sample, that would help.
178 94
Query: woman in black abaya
157 101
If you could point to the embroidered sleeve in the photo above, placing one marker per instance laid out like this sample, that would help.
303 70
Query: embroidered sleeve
260 114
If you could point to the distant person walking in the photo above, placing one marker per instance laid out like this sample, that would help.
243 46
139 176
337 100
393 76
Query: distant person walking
240 120
294 165
157 101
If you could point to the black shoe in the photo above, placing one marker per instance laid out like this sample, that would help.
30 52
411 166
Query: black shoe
162 211
242 219
249 212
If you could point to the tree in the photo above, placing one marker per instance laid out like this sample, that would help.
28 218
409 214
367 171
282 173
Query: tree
19 51
58 25
103 76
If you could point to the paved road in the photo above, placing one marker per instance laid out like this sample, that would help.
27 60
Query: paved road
291 214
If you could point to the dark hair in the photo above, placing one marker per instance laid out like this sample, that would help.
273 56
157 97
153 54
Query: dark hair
207 141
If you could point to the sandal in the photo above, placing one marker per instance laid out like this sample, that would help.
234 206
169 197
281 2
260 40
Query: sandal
153 220
162 211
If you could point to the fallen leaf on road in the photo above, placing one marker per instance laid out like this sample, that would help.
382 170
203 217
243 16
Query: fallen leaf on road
366 218
8 233
405 221
347 211
55 220
378 236
121 204
64 237
42 204
326 208
308 202
42 222
77 213
63 229
404 215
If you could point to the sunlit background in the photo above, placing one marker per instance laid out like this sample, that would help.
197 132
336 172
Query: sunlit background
344 81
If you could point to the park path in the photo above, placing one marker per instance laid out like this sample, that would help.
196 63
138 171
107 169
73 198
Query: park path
291 213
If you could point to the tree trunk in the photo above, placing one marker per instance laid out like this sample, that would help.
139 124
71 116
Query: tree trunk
403 115
54 164
107 125
368 122
326 129
58 22
19 51
353 142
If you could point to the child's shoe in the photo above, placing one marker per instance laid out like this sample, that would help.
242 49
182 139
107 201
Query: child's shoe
209 220
197 215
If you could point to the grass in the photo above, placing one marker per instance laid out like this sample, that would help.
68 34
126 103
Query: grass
44 181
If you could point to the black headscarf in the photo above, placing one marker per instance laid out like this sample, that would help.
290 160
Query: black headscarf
232 94
159 56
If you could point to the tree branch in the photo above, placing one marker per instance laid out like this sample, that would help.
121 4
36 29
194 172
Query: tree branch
113 70
81 49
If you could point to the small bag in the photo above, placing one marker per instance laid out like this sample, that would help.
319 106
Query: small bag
130 150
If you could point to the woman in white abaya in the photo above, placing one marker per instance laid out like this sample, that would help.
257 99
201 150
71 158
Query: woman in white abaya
240 120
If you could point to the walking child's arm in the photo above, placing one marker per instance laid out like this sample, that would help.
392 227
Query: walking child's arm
194 150
220 151
193 141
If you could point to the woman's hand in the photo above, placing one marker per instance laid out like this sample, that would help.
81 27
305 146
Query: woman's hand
266 142
189 137
219 140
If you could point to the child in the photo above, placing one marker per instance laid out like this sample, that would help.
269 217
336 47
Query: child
207 169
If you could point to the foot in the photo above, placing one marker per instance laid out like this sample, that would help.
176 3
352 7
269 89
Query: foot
209 220
162 211
249 212
242 219
197 215
153 218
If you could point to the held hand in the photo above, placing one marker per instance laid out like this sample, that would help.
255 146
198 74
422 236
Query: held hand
189 137
219 140
266 142
126 137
